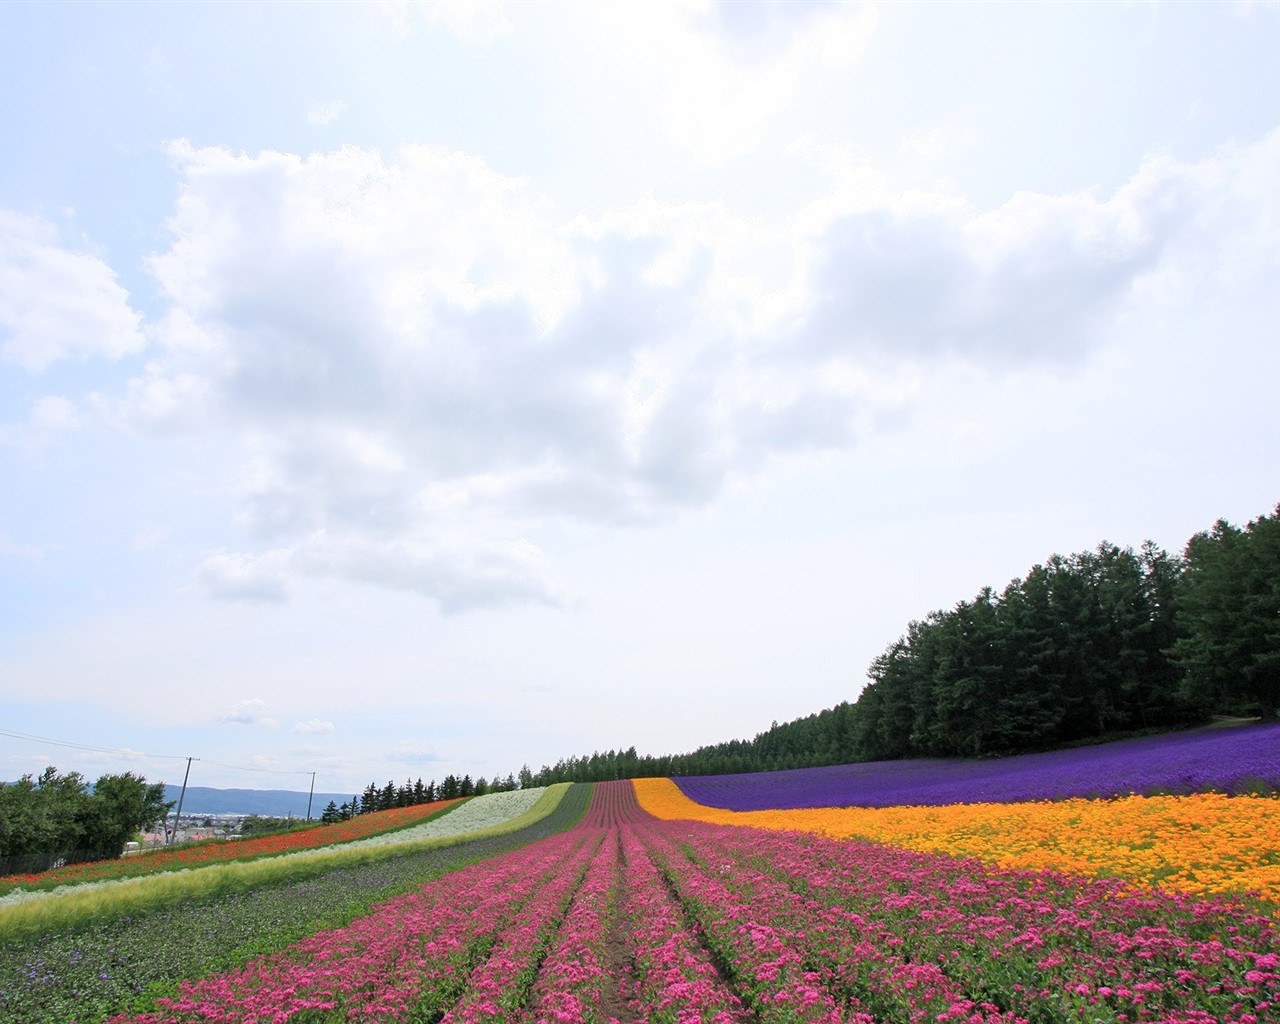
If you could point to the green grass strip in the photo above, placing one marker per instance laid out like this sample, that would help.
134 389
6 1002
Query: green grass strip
84 904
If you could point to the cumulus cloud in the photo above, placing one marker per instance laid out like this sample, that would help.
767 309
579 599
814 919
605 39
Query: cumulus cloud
252 711
458 576
57 303
244 576
477 21
313 727
731 70
425 363
51 418
1037 278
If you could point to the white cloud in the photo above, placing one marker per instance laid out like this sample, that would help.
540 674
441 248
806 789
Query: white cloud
53 414
252 711
51 418
476 21
326 113
412 753
730 71
1039 277
150 537
57 303
313 727
425 364
458 576
245 577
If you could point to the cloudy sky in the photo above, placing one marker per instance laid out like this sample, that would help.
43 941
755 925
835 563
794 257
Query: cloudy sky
402 389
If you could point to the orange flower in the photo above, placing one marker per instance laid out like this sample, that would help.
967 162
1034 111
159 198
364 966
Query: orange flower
1206 843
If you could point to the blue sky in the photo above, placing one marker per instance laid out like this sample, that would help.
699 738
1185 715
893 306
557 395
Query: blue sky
391 390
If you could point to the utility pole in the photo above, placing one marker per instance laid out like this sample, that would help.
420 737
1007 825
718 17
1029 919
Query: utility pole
311 794
181 796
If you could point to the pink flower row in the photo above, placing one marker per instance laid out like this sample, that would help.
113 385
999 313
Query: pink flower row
920 937
676 982
414 953
799 960
499 988
577 981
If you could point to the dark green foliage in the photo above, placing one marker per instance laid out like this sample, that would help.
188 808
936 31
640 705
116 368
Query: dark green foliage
60 818
1229 618
257 825
1075 651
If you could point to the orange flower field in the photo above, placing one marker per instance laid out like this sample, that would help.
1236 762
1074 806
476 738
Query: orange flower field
1205 843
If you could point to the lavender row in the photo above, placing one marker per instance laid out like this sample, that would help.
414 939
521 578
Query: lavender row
1229 760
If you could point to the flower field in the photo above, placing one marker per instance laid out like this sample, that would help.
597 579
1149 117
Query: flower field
1238 760
1205 843
214 851
645 906
473 815
89 968
626 918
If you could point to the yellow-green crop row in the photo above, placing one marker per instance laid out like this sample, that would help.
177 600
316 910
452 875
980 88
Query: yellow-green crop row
81 904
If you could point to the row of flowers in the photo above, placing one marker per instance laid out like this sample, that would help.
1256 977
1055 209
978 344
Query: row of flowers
107 962
1206 843
215 851
689 923
478 813
856 931
1238 760
414 954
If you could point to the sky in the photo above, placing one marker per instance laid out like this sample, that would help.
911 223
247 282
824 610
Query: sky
395 390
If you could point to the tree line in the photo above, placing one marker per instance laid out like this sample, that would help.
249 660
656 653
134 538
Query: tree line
1083 647
411 793
54 819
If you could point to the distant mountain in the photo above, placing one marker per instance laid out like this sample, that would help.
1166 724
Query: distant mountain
270 803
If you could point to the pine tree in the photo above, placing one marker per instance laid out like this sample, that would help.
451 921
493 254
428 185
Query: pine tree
1229 614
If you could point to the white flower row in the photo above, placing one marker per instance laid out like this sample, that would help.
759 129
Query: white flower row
478 813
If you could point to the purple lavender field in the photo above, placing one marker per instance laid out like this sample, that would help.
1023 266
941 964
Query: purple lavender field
1223 760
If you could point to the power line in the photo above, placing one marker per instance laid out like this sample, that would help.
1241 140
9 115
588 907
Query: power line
85 746
137 753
